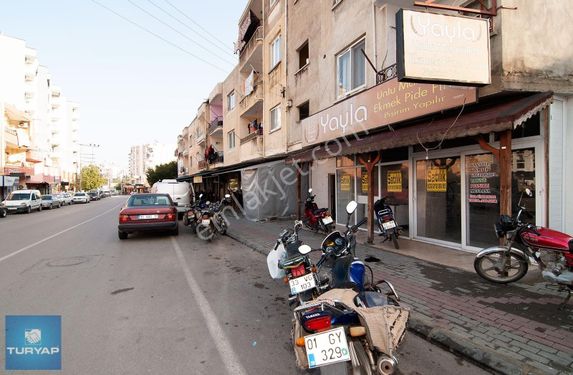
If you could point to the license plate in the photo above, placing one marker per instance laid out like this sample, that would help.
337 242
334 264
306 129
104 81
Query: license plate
147 217
327 220
206 222
389 224
301 284
326 348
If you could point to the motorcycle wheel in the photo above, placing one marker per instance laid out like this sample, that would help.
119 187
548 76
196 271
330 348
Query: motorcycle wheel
492 268
395 240
204 232
185 220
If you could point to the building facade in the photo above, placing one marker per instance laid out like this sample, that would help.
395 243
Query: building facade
148 156
316 90
39 135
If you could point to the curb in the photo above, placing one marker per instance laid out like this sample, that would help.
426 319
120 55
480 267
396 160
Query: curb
484 357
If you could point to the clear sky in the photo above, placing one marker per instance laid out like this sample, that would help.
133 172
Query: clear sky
132 87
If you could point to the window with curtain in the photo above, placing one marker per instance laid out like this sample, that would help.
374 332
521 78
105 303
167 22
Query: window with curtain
350 69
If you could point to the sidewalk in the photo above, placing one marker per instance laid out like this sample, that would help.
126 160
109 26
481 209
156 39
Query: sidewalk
511 329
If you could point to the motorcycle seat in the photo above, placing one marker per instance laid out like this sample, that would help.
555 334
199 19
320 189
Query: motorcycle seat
292 261
319 211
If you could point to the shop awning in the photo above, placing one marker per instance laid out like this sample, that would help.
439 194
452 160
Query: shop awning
492 115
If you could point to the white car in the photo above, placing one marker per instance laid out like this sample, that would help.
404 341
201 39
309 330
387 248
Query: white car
66 198
81 197
23 201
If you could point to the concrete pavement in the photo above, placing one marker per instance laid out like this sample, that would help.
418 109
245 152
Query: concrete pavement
510 329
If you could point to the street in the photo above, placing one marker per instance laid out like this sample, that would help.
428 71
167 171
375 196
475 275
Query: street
157 304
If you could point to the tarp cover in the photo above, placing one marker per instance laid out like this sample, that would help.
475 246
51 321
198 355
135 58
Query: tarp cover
269 191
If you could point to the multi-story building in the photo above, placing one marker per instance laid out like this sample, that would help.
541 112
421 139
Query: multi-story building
317 88
148 156
34 110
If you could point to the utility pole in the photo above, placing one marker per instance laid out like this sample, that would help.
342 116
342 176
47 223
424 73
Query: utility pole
91 146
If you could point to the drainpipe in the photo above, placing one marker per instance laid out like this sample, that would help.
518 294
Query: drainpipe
285 98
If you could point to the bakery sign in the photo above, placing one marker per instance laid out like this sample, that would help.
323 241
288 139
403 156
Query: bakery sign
382 105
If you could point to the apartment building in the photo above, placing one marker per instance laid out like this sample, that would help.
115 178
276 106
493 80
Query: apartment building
317 90
38 132
148 156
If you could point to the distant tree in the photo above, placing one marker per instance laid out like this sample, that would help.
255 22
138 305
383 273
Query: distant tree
161 172
92 178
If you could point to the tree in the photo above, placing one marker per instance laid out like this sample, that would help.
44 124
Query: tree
161 172
91 178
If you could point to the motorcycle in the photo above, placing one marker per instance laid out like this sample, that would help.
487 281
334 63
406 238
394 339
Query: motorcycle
289 261
316 218
551 250
386 223
193 215
357 324
212 221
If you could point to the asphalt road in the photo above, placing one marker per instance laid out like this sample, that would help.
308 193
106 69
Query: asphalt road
156 304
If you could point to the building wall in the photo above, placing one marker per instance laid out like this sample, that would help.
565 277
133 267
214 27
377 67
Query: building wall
231 117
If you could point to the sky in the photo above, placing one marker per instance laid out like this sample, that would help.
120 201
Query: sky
132 87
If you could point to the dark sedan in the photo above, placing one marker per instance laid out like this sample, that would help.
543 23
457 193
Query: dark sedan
148 212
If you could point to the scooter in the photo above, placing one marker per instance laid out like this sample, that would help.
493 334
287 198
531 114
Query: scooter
357 324
316 218
552 250
212 221
386 222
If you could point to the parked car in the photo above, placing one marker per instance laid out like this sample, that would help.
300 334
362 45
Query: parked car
50 201
94 195
23 201
66 198
81 197
148 212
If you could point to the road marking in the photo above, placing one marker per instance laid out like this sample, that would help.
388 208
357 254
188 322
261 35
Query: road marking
223 344
56 234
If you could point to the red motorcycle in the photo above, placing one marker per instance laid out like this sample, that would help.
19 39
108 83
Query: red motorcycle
552 250
316 218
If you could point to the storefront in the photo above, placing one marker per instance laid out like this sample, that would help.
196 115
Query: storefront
447 176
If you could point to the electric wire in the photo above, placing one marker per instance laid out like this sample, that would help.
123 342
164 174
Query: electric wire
179 32
198 25
225 50
159 36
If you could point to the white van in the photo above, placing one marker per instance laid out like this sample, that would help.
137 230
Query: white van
179 191
23 201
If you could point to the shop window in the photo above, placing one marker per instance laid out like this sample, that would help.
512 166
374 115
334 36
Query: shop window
303 56
523 177
303 110
350 69
344 192
394 186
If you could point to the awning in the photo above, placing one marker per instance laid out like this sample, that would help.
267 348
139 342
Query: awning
492 115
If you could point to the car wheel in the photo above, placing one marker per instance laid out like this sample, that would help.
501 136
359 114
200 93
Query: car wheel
176 231
122 235
3 213
51 206
29 209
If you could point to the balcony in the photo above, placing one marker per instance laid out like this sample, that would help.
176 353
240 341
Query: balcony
253 103
200 138
11 137
202 164
215 125
251 136
253 44
14 169
34 156
216 158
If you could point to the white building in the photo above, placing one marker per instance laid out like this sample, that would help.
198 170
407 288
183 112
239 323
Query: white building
144 157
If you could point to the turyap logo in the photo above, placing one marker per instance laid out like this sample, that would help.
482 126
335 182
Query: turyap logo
33 342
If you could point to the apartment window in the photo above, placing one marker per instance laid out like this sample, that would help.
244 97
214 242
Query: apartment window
275 51
350 69
231 100
303 111
303 55
231 139
275 118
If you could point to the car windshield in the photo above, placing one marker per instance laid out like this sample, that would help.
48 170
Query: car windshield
148 200
19 196
46 197
79 194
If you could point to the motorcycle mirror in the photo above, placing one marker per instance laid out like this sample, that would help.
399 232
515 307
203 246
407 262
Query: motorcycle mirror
351 207
310 191
200 195
304 249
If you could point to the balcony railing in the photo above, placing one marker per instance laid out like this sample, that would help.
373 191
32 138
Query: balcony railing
251 45
255 96
215 125
250 137
216 158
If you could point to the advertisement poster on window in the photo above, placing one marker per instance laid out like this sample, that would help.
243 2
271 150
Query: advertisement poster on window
364 182
436 180
482 177
394 181
345 182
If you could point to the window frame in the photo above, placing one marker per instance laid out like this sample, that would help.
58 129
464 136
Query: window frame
274 63
299 49
230 95
338 56
231 144
274 121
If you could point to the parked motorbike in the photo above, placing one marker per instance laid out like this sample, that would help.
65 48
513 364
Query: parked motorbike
212 221
552 250
192 217
355 326
386 223
289 261
316 218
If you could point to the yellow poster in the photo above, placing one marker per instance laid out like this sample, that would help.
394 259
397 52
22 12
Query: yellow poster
345 182
365 182
436 180
394 181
